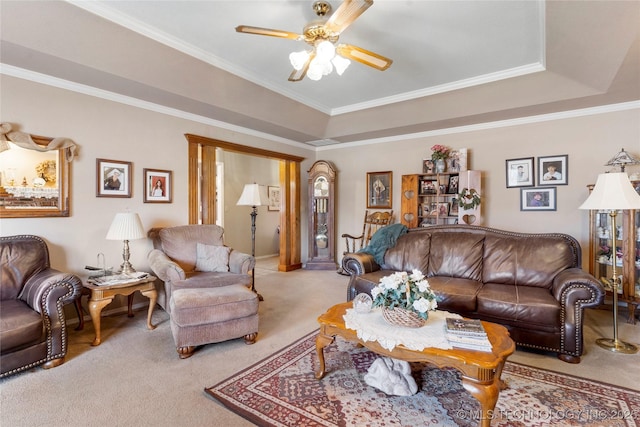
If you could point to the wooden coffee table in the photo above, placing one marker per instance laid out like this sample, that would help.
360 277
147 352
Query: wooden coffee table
480 370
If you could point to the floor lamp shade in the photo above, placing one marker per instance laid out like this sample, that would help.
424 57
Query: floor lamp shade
126 226
253 195
613 192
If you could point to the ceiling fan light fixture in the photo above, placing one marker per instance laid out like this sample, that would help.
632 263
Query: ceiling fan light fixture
325 50
298 59
315 71
340 63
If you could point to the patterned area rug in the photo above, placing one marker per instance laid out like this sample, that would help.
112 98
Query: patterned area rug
281 390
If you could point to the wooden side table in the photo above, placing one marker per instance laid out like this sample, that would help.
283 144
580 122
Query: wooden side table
102 295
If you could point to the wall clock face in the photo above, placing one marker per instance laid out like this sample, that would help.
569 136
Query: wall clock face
321 187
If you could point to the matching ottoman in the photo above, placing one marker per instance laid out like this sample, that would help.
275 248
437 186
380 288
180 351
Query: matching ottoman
208 315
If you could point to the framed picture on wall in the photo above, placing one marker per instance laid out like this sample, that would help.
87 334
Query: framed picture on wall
379 190
538 199
274 198
553 170
113 178
520 172
157 186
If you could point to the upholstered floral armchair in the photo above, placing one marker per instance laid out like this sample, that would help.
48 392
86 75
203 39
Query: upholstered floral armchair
32 297
194 256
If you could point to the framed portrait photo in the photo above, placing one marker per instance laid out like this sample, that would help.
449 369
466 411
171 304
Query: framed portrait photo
520 172
158 186
379 190
553 170
538 199
113 178
274 198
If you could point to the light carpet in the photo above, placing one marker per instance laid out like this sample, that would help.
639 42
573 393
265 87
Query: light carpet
282 390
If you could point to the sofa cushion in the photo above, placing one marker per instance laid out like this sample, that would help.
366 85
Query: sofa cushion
455 294
179 243
409 253
20 326
212 258
456 255
211 279
525 262
214 305
526 307
21 257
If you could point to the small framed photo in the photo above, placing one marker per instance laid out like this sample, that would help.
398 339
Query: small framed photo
443 209
113 178
520 172
428 186
428 166
457 160
453 211
379 190
553 170
454 180
538 199
274 198
157 186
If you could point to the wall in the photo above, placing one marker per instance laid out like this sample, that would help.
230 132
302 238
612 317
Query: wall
105 129
589 141
115 131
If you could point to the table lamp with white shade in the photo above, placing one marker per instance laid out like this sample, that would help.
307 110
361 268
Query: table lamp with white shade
126 226
614 192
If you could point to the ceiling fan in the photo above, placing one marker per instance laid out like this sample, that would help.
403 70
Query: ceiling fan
322 34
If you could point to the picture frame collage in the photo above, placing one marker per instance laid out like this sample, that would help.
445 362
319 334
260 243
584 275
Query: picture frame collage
548 173
114 178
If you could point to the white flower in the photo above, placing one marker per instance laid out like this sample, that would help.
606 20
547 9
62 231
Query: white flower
416 276
391 282
423 285
375 292
422 305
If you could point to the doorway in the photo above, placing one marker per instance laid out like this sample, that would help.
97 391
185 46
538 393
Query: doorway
203 191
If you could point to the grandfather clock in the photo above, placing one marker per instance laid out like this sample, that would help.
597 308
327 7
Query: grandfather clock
322 244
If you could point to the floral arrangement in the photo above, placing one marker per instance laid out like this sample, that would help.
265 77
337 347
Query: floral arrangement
408 291
440 152
47 170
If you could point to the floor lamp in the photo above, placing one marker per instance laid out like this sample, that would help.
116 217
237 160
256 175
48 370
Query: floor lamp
253 195
613 192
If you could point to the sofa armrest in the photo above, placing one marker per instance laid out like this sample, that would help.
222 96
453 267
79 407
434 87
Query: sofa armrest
359 263
47 292
575 290
164 268
241 263
49 289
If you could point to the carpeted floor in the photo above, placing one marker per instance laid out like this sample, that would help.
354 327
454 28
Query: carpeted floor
135 377
281 390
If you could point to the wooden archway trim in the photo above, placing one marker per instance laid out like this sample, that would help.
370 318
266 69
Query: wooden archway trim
289 166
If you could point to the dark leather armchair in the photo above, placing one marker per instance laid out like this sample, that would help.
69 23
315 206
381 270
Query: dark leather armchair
32 295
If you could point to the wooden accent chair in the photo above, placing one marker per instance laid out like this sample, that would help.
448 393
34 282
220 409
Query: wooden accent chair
372 222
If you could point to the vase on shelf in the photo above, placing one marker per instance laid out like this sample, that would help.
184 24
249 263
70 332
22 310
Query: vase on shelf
440 165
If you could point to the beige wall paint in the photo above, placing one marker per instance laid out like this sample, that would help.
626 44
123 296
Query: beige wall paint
106 129
589 141
111 130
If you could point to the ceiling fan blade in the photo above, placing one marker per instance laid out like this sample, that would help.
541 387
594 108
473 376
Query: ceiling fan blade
346 13
268 32
297 75
364 56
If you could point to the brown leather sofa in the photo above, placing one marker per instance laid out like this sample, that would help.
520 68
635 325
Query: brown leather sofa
531 283
32 295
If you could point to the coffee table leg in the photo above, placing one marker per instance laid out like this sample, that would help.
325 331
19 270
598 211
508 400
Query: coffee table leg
153 298
321 342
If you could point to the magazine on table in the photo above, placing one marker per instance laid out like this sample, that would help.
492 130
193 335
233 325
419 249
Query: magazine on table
117 279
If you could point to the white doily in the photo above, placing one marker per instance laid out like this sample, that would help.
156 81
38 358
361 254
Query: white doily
371 326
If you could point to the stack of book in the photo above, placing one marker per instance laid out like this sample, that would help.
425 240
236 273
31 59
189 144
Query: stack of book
467 333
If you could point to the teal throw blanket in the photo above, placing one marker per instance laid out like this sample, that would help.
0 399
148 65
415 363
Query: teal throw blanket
382 240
